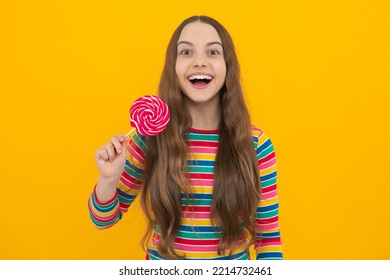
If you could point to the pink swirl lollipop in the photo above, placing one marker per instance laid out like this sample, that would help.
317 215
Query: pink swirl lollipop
149 115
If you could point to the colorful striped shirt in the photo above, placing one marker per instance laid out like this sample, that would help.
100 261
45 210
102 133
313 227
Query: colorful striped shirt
197 238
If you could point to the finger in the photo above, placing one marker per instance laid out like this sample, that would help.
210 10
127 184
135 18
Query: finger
116 143
110 151
121 137
125 142
101 154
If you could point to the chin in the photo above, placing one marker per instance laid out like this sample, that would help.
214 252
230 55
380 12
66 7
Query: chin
201 98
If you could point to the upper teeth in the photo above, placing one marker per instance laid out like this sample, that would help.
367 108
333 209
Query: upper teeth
200 77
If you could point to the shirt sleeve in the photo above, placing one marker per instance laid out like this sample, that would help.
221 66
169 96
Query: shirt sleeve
268 243
105 215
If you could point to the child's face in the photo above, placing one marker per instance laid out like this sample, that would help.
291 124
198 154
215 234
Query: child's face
200 64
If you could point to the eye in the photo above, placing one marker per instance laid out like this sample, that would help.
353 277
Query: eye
185 52
214 52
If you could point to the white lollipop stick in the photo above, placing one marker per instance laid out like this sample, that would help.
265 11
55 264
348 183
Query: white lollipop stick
128 133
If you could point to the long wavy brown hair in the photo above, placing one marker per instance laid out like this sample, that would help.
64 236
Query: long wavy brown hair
236 190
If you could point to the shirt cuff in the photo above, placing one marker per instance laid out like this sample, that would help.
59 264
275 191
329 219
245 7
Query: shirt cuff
98 202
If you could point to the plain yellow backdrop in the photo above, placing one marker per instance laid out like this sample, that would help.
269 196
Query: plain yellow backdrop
316 77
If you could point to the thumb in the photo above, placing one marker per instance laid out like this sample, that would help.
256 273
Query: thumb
124 143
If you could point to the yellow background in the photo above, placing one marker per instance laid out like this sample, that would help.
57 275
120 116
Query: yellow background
316 76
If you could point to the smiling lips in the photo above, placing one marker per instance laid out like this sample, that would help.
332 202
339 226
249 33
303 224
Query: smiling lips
200 81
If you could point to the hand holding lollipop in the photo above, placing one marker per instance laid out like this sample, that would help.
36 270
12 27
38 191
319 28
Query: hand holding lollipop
149 115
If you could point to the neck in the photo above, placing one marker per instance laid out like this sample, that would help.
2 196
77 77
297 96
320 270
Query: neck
204 116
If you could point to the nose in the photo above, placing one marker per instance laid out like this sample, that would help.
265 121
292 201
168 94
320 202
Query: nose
200 61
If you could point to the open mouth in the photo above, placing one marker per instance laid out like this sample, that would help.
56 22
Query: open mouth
200 80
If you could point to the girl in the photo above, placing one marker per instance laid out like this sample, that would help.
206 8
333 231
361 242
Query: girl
207 183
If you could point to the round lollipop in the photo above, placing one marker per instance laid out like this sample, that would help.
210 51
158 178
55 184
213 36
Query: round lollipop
149 115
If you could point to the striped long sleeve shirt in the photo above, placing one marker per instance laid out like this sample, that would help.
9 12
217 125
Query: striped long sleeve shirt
197 238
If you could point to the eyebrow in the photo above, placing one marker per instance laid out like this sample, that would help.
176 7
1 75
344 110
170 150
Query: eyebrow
208 44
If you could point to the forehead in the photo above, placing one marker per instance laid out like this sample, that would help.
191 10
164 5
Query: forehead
199 32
